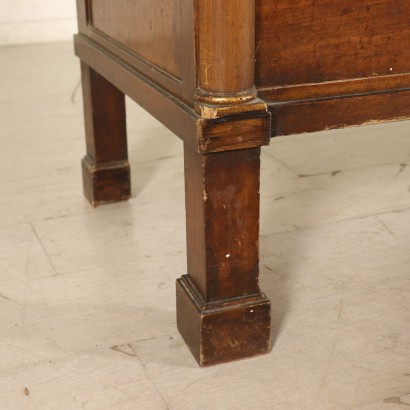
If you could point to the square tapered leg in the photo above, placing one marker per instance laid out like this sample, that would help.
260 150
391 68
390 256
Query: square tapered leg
106 171
221 313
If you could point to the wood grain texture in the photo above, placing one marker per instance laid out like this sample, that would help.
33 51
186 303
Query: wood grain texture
311 116
308 41
156 34
221 312
223 331
106 183
111 290
199 133
106 171
320 64
156 38
225 65
222 205
178 117
236 132
328 64
336 89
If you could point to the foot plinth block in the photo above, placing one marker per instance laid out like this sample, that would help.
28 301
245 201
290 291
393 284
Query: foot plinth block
223 331
106 183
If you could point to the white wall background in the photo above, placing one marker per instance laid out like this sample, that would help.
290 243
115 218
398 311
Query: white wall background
36 21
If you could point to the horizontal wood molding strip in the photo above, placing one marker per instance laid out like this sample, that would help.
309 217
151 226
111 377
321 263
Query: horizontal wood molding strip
335 89
176 116
203 135
317 115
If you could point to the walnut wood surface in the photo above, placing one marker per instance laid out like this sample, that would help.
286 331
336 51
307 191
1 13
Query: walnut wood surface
157 38
305 41
329 64
191 63
106 172
222 205
248 130
222 331
311 116
225 49
221 312
158 43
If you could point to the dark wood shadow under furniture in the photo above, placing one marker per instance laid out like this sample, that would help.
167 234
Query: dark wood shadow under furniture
225 76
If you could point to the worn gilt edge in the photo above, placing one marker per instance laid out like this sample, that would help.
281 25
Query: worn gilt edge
212 111
226 99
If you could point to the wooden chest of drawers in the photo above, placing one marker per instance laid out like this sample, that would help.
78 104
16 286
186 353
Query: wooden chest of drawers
225 76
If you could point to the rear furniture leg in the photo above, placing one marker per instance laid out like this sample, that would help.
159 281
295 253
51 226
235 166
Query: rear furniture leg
106 171
221 313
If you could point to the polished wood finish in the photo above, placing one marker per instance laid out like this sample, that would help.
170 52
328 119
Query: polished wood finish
333 89
324 114
155 38
249 129
226 65
222 203
235 132
106 172
311 54
304 41
223 331
228 317
225 76
155 42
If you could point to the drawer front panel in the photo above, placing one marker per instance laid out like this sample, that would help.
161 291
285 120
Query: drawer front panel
315 41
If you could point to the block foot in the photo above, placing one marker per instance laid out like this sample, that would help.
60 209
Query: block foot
106 183
223 331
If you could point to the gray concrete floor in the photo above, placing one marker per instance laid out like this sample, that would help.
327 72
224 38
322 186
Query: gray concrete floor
87 298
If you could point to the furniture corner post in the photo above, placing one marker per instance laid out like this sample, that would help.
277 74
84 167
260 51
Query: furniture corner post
106 171
225 51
